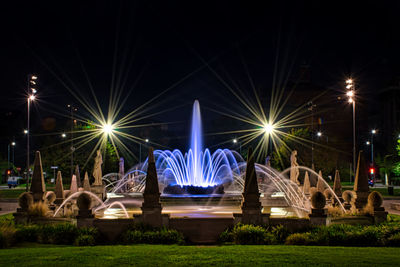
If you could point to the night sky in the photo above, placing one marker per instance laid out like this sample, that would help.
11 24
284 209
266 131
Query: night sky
152 45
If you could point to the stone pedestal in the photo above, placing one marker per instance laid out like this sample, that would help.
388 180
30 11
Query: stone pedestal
151 207
251 205
380 215
361 199
21 216
347 206
361 187
99 191
38 187
318 216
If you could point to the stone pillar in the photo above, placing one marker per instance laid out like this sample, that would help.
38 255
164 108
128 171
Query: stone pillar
306 185
86 183
375 201
318 212
361 187
337 186
25 201
38 187
151 207
78 176
251 205
348 197
85 216
320 182
74 185
59 190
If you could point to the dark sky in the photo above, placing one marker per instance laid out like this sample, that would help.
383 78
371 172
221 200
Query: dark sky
154 44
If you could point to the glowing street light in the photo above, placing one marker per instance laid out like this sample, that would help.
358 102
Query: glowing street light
147 140
350 86
319 134
31 91
268 128
108 128
25 131
368 143
63 135
234 141
373 131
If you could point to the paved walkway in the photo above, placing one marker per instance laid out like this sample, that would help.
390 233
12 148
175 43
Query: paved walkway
387 203
8 206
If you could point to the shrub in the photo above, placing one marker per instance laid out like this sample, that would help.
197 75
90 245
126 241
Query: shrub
301 239
249 235
27 233
280 233
394 240
85 240
162 236
226 236
39 209
6 235
65 233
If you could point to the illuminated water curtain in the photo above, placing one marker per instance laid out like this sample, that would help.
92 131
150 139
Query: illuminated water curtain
197 167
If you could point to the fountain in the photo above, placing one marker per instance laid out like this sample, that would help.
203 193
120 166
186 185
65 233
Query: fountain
199 183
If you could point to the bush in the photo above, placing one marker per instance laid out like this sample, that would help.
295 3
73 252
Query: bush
249 235
27 233
161 236
85 240
6 236
394 240
280 233
226 236
301 239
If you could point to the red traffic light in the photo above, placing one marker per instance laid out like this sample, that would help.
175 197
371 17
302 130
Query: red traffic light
371 170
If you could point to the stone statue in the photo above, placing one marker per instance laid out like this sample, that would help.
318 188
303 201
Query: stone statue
121 168
294 170
97 174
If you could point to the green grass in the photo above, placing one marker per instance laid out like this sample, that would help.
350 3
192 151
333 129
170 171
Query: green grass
11 193
162 255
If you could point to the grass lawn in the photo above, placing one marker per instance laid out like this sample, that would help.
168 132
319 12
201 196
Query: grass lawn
163 255
11 193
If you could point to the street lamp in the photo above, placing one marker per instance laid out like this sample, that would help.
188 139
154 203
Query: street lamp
140 149
31 91
350 86
72 110
311 107
319 134
63 135
235 141
373 132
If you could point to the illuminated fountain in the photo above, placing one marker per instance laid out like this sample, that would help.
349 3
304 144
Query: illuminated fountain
202 182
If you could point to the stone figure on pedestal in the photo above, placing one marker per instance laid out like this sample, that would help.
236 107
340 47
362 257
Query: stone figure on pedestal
97 174
294 170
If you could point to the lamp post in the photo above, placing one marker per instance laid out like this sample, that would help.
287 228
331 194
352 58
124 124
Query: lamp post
350 86
72 109
311 107
31 91
235 141
140 149
373 132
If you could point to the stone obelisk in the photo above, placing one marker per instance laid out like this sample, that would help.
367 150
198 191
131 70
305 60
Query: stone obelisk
59 190
361 187
38 187
151 207
251 205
